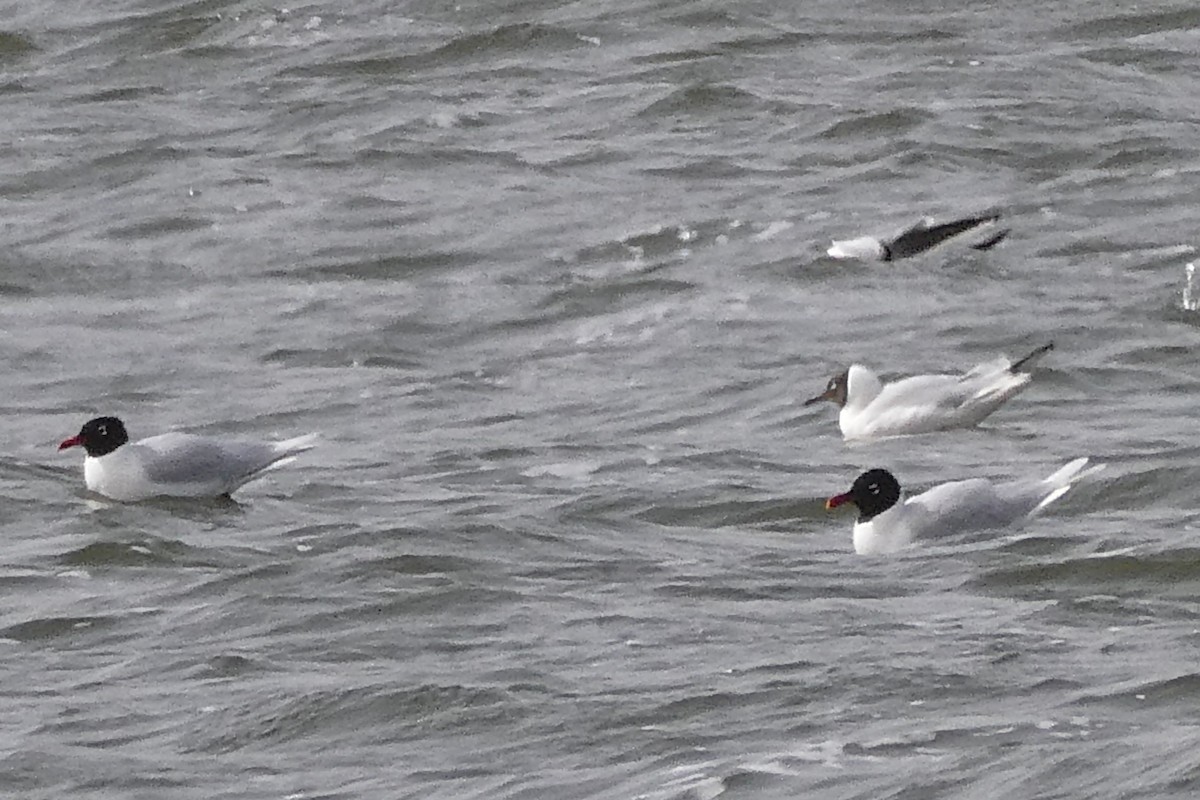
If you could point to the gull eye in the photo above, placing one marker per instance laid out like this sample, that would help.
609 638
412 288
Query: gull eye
102 430
873 488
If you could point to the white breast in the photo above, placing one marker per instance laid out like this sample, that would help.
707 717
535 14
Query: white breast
116 475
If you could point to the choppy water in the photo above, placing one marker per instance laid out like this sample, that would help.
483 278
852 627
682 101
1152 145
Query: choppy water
550 280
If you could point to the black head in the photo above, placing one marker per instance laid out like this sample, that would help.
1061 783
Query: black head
873 492
98 437
835 391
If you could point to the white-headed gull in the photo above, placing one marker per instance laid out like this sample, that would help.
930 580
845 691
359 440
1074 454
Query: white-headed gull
886 525
174 464
924 403
912 241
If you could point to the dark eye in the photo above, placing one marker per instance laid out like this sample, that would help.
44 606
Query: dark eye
873 488
102 430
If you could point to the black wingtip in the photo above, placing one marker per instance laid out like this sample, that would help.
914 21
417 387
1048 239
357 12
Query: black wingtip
993 240
922 237
1029 359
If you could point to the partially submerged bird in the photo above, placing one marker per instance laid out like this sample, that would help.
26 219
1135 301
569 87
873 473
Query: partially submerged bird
924 403
918 238
174 464
886 525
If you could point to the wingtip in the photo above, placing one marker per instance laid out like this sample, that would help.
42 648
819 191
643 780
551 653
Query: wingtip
1074 471
299 444
1031 358
1064 478
993 240
925 235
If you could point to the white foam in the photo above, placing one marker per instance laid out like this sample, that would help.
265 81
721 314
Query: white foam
772 230
567 470
862 247
1191 295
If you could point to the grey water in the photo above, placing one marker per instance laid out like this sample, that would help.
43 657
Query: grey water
550 280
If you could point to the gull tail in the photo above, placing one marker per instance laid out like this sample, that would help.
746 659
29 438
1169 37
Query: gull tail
1063 479
1031 359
